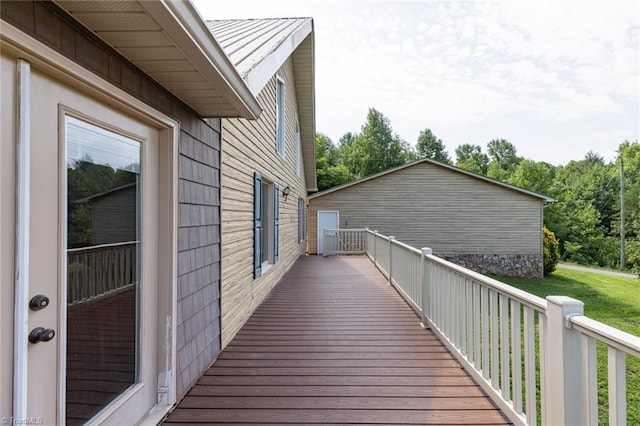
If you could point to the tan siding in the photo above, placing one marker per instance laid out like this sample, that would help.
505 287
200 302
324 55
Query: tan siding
429 206
247 147
304 78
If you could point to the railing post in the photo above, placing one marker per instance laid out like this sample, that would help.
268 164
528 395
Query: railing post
426 285
324 241
391 238
366 241
375 242
563 381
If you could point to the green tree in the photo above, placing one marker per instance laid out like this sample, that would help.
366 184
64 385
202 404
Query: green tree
550 252
584 216
534 176
470 157
333 176
329 170
429 146
504 159
325 148
633 254
85 179
376 148
345 143
630 154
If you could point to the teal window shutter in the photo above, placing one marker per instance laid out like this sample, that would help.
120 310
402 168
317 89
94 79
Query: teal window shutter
276 221
300 220
257 225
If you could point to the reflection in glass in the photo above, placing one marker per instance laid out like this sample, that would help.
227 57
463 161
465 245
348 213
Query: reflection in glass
103 272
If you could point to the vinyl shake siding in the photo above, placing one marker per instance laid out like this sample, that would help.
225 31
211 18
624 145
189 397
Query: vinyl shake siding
248 147
198 262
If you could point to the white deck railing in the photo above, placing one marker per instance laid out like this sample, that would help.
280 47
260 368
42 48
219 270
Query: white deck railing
100 270
344 241
536 358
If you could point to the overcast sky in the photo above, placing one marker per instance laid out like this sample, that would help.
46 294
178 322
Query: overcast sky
556 79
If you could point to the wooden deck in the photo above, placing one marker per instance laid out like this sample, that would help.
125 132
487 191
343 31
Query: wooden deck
335 344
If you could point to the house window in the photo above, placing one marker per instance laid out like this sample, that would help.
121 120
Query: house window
298 162
302 220
280 142
266 224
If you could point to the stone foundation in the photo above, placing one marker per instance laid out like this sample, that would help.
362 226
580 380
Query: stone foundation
515 265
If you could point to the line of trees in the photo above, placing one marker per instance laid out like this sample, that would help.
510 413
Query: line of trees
585 218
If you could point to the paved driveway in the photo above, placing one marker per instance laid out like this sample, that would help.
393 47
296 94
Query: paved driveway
596 270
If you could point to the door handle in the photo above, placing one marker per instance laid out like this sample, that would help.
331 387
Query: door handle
41 334
38 302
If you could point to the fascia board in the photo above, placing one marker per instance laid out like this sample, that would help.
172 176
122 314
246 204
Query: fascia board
183 25
260 74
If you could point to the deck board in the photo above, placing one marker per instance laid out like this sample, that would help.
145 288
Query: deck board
335 344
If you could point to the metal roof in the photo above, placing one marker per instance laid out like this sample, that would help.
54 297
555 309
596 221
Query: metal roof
258 48
170 42
435 163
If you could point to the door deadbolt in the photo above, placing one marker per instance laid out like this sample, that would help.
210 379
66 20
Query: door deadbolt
38 302
41 334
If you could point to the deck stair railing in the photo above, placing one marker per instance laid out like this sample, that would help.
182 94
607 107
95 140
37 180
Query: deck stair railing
535 357
344 241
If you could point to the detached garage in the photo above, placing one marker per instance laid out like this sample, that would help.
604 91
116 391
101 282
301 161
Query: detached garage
477 222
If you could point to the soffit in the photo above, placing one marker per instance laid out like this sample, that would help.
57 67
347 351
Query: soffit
170 42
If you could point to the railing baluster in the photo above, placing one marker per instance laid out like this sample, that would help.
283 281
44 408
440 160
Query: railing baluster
530 365
477 350
469 313
495 346
464 316
542 347
617 387
446 295
504 348
456 310
485 332
516 356
590 367
438 298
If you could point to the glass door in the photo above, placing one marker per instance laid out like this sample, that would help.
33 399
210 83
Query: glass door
94 249
103 243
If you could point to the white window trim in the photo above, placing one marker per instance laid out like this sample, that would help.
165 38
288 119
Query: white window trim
298 148
267 247
302 219
281 137
268 222
60 67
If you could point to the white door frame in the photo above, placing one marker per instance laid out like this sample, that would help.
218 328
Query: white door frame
320 237
15 43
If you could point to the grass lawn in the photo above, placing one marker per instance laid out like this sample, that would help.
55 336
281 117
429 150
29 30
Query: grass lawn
612 300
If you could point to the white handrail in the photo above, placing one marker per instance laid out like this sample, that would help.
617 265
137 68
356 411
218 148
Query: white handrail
611 336
344 241
516 345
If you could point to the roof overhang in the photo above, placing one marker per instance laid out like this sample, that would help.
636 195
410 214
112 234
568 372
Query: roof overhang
258 48
304 71
262 72
170 42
